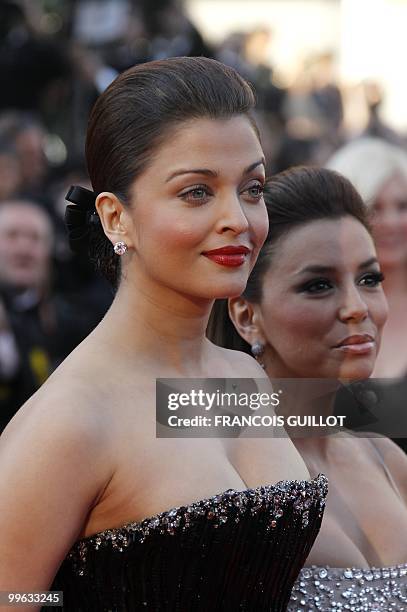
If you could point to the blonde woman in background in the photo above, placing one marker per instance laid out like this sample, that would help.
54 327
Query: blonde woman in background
378 170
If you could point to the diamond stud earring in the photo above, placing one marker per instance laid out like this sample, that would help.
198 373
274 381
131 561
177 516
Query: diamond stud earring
120 248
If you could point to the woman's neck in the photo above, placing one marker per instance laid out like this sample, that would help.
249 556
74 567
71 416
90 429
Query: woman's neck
165 327
314 398
306 405
307 396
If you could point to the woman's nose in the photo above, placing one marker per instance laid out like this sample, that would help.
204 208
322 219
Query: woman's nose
353 307
232 217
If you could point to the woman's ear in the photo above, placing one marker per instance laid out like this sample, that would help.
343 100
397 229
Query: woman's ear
114 218
246 317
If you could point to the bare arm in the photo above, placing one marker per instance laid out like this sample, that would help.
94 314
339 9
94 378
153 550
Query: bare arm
53 466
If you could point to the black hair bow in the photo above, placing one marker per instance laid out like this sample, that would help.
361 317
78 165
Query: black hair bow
80 216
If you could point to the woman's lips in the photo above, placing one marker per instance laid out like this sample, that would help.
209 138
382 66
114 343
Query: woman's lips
357 349
230 256
357 344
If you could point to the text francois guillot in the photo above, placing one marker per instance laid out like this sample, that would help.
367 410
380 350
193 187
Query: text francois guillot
221 400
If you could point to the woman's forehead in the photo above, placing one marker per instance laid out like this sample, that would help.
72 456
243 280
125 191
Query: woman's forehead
324 242
204 139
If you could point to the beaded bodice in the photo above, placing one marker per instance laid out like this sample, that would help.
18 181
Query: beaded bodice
233 551
359 590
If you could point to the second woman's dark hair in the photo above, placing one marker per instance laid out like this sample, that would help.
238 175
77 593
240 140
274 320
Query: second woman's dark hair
293 198
139 110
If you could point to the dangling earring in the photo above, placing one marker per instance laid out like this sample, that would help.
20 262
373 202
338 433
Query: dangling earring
120 248
257 351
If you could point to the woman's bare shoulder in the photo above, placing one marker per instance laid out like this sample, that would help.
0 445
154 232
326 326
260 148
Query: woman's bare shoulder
395 460
369 445
240 364
71 400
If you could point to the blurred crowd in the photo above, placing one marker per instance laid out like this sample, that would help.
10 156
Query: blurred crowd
55 58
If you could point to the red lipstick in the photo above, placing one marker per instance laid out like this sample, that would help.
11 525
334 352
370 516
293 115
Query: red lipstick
231 256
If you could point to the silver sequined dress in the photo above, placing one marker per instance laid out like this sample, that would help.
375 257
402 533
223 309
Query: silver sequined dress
357 590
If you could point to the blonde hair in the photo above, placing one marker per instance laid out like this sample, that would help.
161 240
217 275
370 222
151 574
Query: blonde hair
369 163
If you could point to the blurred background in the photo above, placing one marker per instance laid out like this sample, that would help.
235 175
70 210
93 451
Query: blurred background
326 73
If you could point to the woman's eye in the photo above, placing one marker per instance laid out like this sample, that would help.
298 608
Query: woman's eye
373 279
255 192
317 286
196 195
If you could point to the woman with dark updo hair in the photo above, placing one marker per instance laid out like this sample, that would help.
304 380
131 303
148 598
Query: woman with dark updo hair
176 220
313 312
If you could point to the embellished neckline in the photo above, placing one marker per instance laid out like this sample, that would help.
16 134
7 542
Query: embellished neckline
317 486
270 502
354 588
353 572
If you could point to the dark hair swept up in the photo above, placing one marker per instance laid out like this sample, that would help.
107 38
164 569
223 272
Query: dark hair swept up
138 111
293 198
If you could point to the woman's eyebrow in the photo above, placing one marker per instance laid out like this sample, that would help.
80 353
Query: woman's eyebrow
204 171
316 269
368 262
207 172
261 162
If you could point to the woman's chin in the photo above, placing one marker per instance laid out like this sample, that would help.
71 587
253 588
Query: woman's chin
229 289
353 373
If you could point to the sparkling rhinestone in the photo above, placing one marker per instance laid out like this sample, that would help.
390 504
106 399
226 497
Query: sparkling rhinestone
298 505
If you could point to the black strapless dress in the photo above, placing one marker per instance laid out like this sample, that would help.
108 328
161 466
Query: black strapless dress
234 551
